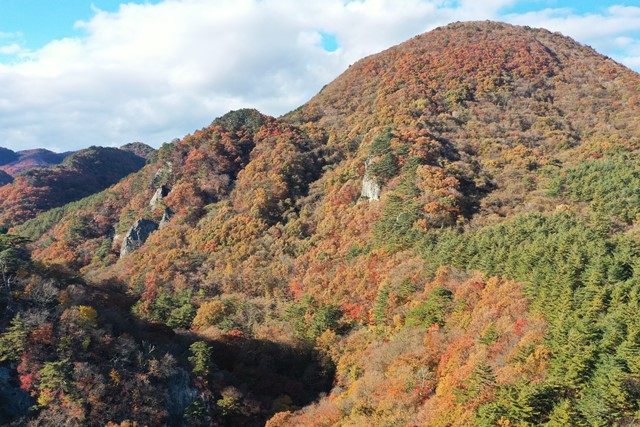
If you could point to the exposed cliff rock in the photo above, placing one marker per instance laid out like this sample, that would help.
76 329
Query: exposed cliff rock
370 187
137 235
166 217
160 194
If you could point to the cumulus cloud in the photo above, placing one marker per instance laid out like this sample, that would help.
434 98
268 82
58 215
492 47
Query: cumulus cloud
153 72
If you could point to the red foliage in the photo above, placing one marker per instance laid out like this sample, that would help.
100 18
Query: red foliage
27 381
43 335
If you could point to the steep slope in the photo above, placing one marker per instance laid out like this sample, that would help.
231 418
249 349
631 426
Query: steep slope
229 164
81 174
249 378
23 161
7 156
453 222
79 357
504 95
5 178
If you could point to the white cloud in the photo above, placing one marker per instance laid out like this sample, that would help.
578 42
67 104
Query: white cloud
614 32
155 72
11 49
614 21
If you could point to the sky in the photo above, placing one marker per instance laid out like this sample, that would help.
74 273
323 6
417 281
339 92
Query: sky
76 73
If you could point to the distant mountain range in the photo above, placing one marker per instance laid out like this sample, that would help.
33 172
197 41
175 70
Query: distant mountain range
15 163
33 181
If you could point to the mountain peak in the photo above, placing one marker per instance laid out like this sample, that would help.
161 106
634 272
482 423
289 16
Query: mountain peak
140 149
248 118
80 174
459 65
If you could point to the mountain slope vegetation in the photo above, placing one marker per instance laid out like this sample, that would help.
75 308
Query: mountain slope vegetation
81 174
450 230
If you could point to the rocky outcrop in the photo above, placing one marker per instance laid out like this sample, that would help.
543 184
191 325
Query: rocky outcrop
160 194
370 186
166 217
137 235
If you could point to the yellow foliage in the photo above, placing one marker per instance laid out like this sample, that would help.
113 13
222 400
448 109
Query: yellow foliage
45 397
115 376
209 313
88 315
327 342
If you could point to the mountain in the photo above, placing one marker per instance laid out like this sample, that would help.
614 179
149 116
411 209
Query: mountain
139 149
80 174
448 233
23 161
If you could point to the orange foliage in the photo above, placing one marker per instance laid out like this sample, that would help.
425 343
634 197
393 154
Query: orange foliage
425 376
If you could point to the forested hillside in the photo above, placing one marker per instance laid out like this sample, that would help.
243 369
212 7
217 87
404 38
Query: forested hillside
447 234
80 174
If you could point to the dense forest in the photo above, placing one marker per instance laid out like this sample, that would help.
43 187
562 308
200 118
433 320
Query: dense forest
447 234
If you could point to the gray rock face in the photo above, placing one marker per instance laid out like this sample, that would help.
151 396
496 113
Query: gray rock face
166 217
137 235
160 194
370 187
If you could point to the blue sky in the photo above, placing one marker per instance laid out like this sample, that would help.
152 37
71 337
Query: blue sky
40 21
108 72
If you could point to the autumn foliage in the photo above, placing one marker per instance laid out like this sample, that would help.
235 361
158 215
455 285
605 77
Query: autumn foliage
494 281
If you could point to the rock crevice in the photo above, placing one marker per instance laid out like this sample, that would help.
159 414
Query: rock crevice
160 194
